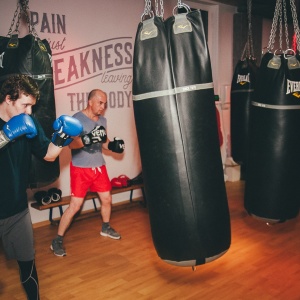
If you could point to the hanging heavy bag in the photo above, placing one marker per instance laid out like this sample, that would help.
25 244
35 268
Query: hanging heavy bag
272 191
157 127
31 56
178 138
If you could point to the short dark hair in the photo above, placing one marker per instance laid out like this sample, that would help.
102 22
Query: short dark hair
19 84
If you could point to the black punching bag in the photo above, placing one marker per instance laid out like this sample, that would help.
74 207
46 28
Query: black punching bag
272 190
177 132
242 92
31 56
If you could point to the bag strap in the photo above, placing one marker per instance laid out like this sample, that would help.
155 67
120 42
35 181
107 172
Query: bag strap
279 14
248 51
22 10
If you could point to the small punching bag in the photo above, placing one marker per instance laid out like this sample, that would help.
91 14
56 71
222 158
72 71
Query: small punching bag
177 133
32 56
242 91
272 190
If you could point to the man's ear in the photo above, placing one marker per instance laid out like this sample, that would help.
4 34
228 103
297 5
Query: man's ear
8 99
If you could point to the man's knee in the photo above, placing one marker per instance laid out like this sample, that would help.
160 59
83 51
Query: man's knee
106 198
75 204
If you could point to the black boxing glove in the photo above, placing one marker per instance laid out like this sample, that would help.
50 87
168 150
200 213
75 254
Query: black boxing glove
117 145
42 198
54 194
97 135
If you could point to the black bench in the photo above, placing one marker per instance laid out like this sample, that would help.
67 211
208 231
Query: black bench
89 196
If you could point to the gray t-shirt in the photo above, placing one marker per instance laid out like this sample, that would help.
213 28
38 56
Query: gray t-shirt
88 156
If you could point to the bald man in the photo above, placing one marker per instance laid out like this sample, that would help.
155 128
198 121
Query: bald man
88 169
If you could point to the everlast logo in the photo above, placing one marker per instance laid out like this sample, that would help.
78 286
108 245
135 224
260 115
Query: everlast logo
293 87
243 79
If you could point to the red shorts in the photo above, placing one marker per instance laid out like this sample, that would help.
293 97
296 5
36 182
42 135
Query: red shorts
84 179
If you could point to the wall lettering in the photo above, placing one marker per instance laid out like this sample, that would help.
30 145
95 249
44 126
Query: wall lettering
106 59
49 23
115 99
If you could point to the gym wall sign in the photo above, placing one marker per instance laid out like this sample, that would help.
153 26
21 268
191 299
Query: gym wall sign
108 59
99 58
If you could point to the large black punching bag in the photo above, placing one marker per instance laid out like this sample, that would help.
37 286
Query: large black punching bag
272 190
32 56
177 132
242 91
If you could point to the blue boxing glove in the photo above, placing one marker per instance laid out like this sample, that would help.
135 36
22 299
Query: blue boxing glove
117 145
65 127
17 126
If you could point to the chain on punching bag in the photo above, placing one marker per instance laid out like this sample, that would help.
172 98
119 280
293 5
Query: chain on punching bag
177 133
31 56
242 92
272 191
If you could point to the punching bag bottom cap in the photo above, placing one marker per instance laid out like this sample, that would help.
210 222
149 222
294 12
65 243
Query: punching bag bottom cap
194 262
266 220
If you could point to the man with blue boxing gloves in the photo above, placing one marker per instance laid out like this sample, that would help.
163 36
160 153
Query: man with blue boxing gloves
21 135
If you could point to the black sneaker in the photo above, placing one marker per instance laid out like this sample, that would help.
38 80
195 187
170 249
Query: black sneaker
110 232
57 247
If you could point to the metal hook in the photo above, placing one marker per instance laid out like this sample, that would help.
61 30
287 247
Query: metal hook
151 15
187 8
275 52
287 51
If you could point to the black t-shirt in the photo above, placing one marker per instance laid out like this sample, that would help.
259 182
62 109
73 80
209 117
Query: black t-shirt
15 159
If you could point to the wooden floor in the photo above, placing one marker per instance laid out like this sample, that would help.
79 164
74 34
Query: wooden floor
263 262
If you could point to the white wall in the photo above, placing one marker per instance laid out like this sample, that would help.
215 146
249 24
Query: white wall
93 24
88 25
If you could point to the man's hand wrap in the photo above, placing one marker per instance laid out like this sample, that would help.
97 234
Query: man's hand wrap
97 135
16 127
117 145
65 127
